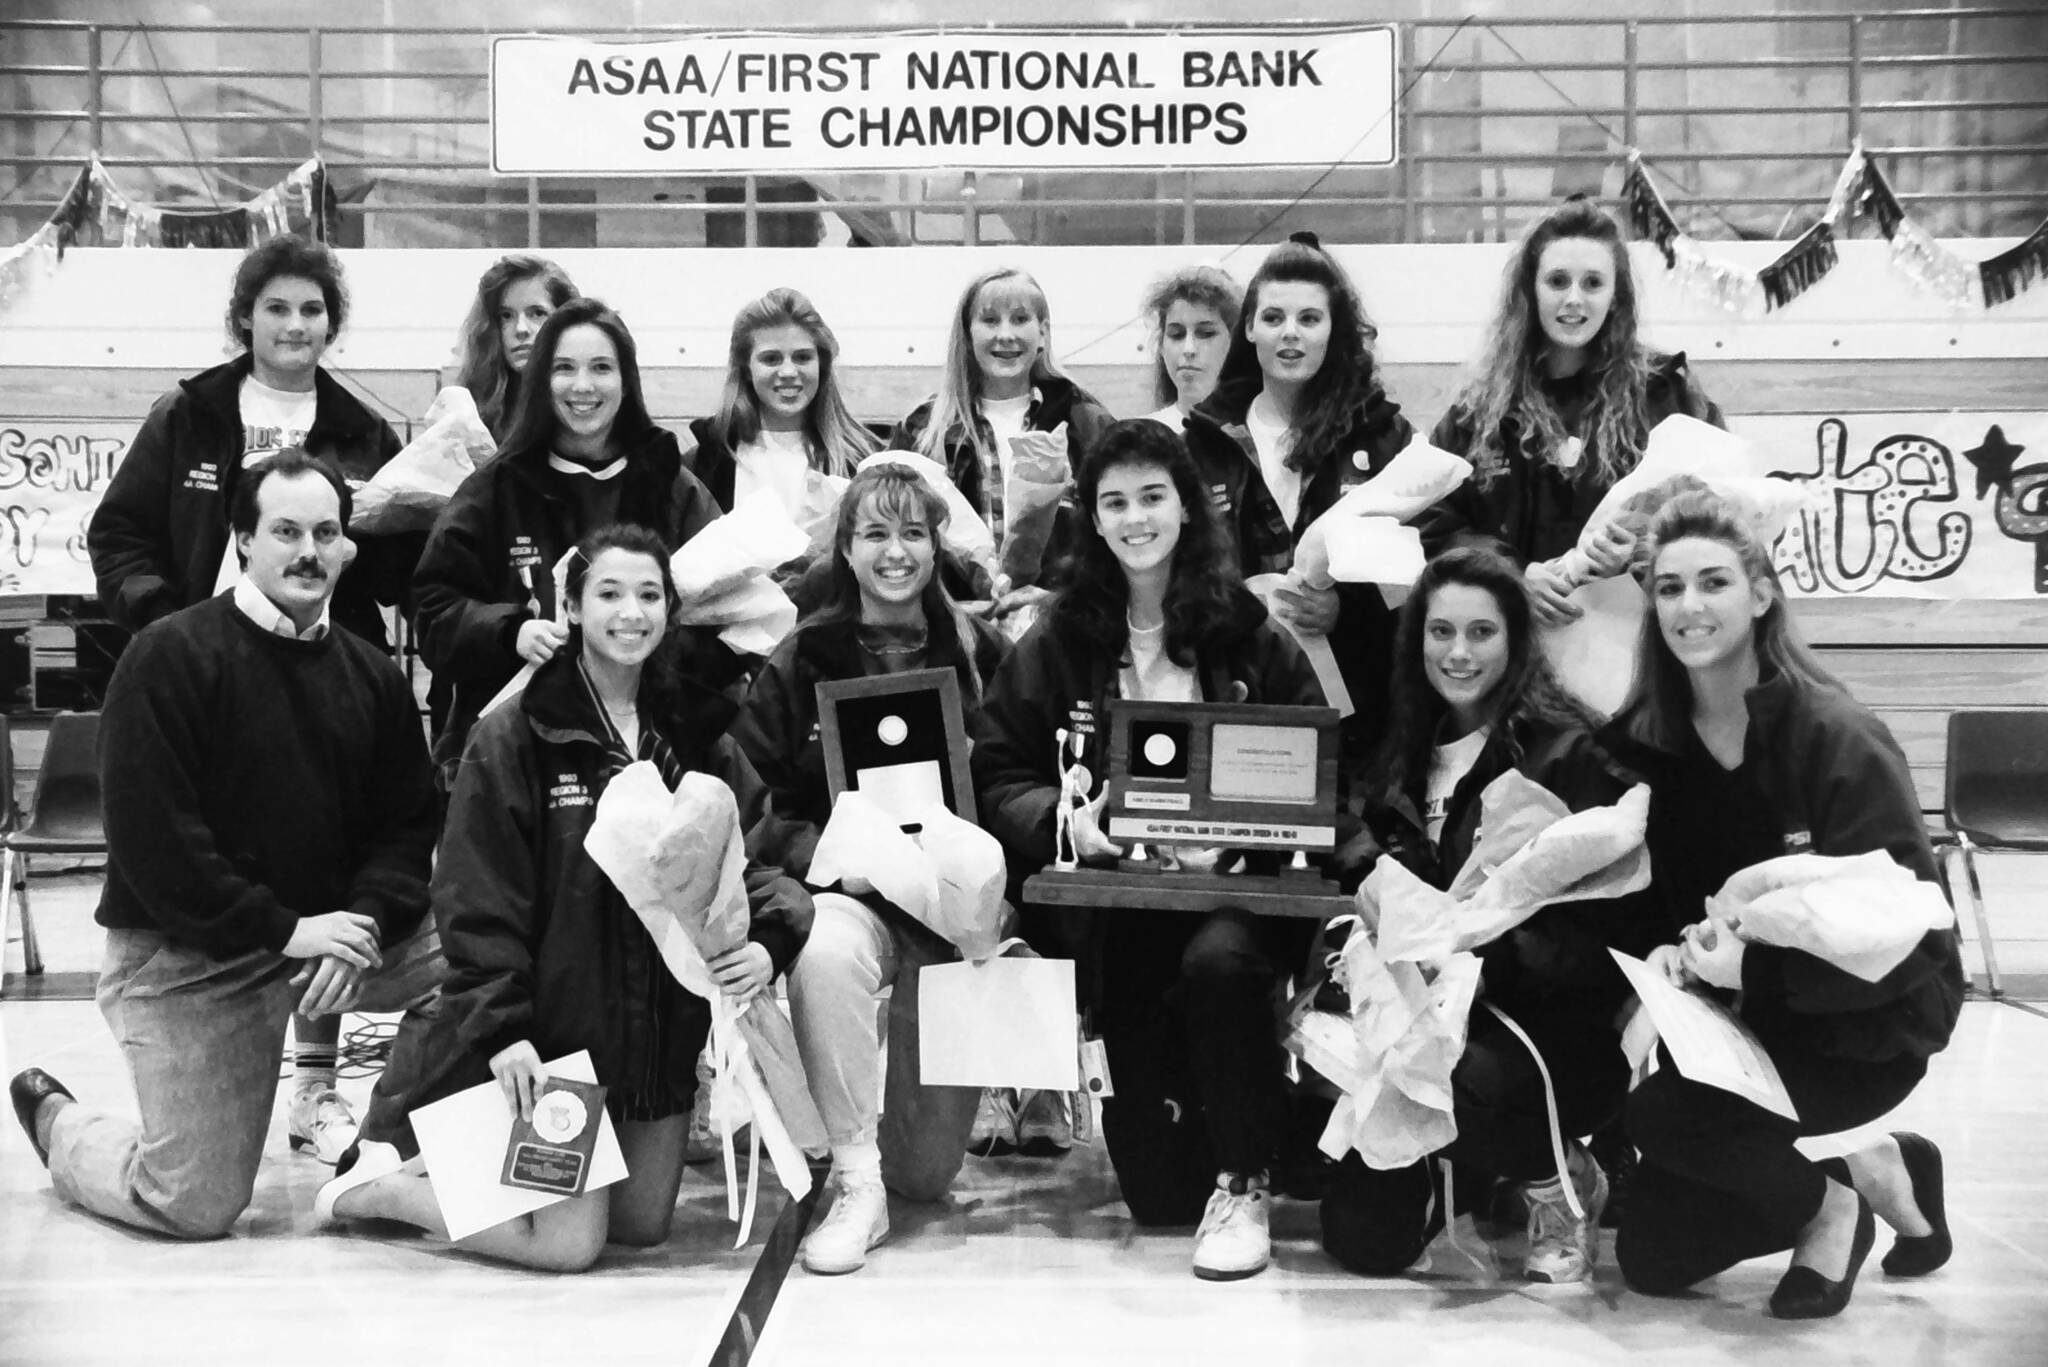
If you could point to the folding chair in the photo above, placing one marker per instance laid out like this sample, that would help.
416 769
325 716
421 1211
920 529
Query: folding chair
1996 798
64 818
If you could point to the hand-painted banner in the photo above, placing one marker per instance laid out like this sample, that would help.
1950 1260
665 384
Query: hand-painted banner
1023 100
52 473
1919 505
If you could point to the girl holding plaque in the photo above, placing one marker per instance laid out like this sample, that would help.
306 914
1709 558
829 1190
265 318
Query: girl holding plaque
1298 417
781 423
1565 396
1754 751
582 453
1194 313
1009 427
1183 1002
545 957
885 612
513 298
1472 699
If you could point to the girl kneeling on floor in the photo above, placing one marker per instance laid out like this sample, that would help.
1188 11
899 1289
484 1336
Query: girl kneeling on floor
545 957
1472 699
1184 1002
884 613
1753 751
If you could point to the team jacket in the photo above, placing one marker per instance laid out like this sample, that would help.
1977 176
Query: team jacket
509 518
160 531
1229 464
1557 960
778 726
1533 509
540 945
1054 400
1819 773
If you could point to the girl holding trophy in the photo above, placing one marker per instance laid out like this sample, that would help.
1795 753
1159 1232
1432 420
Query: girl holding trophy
884 612
545 956
1151 608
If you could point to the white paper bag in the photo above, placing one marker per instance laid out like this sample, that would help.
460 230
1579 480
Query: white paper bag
463 1139
1003 1023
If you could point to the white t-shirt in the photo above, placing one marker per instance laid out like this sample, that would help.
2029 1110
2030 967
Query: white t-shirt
777 462
1170 416
1273 440
1447 769
273 419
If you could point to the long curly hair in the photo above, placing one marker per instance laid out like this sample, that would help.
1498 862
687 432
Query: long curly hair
1659 705
836 441
480 365
896 491
660 680
956 413
1337 397
1208 287
1527 690
1203 583
534 423
1510 375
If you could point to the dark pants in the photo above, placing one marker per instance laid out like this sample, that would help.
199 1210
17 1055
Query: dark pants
1720 1180
1377 1222
1188 1019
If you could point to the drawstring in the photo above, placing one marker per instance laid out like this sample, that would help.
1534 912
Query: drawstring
1564 1176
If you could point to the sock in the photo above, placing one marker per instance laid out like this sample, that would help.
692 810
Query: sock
858 1162
313 1060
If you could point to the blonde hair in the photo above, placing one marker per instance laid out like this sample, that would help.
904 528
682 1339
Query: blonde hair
956 407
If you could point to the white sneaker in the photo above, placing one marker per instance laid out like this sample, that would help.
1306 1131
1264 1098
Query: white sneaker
372 1160
321 1121
995 1124
1562 1247
1234 1240
858 1220
1045 1127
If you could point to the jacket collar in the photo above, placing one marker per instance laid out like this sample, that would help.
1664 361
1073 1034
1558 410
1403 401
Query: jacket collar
560 708
218 390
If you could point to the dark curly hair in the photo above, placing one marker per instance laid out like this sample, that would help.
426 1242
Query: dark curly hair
1203 583
288 254
1526 691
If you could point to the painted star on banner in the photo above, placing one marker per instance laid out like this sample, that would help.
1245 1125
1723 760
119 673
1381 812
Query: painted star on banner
1994 459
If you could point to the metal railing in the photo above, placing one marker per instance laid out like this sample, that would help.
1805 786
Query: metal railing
1746 118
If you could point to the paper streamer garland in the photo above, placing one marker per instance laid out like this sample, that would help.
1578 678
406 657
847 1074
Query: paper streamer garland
2006 275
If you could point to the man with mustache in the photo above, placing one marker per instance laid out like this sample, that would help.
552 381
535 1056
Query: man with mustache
159 538
270 817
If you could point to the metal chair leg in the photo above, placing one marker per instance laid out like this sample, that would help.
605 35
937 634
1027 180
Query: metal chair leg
31 947
1984 941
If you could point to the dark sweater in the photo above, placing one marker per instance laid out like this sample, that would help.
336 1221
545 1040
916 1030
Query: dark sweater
251 780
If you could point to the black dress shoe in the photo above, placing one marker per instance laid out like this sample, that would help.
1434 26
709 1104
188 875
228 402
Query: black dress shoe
1918 1255
1803 1294
30 1089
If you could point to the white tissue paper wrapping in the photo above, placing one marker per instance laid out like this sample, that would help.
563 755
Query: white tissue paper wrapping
1862 913
722 574
948 877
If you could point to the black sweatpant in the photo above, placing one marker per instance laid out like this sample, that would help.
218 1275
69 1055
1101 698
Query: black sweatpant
1377 1222
1188 1020
1720 1181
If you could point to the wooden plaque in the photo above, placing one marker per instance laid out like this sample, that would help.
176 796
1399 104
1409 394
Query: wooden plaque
897 734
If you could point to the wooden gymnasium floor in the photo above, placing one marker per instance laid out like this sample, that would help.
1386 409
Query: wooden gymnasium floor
1031 1262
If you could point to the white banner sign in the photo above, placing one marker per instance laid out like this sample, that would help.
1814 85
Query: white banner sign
1916 505
52 474
1091 100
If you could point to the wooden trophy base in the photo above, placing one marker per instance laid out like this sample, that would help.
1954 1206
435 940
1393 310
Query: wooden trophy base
1305 894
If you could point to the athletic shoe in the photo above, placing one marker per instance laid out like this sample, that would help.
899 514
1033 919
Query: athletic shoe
1234 1240
859 1220
321 1121
1045 1125
1563 1247
995 1124
365 1163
